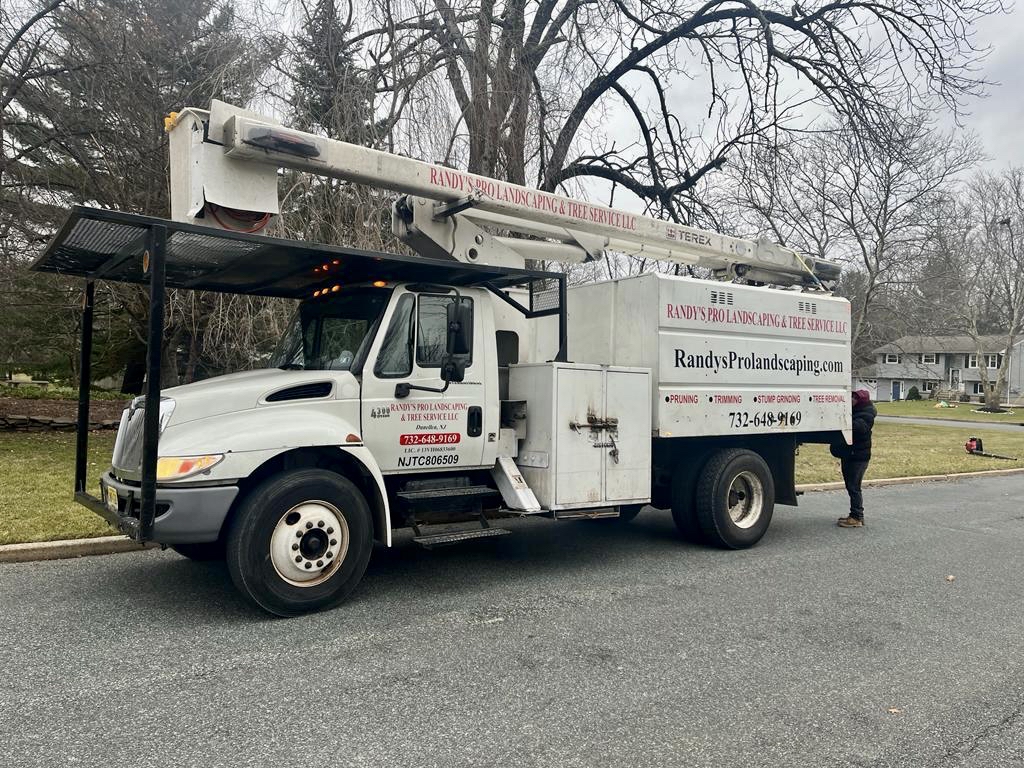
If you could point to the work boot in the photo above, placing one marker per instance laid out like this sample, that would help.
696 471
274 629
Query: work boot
851 522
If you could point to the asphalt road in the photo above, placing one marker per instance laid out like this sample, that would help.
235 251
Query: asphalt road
967 426
565 644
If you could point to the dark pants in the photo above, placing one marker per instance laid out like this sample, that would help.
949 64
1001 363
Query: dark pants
853 475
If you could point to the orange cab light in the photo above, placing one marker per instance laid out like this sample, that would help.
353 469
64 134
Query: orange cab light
335 262
325 267
379 284
353 438
335 289
315 294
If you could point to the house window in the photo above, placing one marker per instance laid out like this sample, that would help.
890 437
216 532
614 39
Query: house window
929 386
992 361
890 358
972 362
930 358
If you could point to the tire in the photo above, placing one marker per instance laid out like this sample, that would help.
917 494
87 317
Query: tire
735 499
201 552
684 507
300 542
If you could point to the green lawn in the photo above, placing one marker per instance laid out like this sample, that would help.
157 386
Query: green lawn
925 409
907 450
37 472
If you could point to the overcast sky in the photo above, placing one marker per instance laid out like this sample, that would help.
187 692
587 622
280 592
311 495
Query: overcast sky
999 119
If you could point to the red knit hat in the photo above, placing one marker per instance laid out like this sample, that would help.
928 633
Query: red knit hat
861 397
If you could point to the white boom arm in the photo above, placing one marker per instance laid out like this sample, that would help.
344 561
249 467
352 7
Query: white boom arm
445 205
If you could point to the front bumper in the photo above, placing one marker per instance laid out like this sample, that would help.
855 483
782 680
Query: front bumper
183 515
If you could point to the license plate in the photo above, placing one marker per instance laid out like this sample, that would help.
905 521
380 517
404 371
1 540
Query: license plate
111 499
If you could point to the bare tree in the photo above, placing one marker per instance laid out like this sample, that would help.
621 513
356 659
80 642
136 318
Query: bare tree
535 84
865 200
978 243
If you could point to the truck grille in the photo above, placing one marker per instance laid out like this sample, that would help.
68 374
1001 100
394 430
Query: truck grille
128 445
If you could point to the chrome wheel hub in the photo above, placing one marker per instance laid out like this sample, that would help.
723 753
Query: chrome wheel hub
309 543
745 499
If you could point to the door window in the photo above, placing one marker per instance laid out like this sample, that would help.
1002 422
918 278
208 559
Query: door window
432 330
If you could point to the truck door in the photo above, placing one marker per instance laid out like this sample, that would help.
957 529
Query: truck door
423 430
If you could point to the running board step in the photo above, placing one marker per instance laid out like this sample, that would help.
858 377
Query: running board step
461 492
454 537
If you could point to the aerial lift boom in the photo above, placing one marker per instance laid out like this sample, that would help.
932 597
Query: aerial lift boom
224 161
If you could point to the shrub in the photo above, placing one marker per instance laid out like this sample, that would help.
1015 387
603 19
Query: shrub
913 394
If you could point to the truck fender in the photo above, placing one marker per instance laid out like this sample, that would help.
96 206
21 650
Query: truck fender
380 506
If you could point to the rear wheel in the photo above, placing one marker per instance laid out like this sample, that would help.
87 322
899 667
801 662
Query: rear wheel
735 499
300 542
207 550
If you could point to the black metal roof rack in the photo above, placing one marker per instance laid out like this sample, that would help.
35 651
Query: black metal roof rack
97 244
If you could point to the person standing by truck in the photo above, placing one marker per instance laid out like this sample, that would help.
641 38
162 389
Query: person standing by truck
855 458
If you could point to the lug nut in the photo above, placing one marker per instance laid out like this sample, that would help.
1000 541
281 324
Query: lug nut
319 563
295 547
298 559
309 525
330 530
309 565
329 555
298 534
320 524
334 542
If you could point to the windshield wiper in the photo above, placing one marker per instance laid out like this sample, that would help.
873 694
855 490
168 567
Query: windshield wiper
292 367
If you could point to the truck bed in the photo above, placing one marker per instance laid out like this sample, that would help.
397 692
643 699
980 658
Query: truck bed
725 358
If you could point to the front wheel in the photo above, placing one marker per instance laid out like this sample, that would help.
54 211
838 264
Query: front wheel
735 499
300 542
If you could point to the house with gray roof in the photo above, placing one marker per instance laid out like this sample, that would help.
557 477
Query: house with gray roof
941 364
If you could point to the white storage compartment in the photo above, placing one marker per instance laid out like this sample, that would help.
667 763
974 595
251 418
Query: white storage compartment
588 433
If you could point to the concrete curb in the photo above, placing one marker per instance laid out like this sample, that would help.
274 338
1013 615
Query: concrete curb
59 550
812 487
108 545
966 422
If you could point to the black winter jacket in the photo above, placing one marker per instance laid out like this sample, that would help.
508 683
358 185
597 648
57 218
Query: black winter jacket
863 422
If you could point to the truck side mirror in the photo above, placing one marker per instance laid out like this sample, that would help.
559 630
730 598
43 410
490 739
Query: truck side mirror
453 368
460 329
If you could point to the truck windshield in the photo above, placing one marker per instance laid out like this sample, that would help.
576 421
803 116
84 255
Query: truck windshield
331 334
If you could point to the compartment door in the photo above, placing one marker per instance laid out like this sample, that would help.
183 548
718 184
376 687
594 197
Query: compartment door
627 466
578 460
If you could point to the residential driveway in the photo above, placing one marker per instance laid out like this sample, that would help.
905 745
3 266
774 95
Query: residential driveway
565 644
967 426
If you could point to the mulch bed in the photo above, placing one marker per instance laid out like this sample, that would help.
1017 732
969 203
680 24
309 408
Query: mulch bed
16 413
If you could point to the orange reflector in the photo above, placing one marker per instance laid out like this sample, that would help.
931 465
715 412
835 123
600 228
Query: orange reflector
379 284
352 438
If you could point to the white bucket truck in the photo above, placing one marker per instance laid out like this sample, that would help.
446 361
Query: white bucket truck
429 390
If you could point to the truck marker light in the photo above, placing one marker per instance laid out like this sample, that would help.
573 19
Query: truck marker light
177 467
335 262
353 438
335 289
379 284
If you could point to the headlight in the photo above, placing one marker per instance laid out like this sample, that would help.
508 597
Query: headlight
178 467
